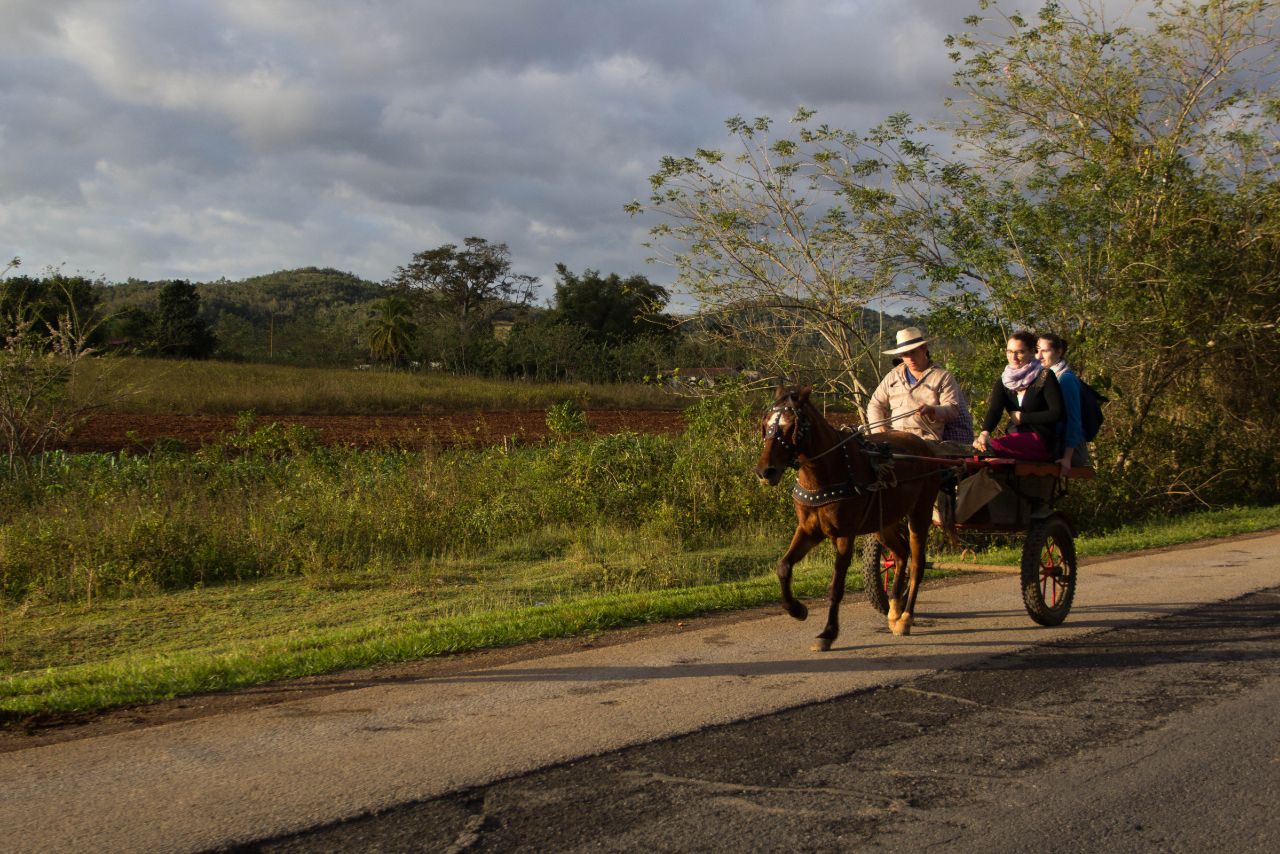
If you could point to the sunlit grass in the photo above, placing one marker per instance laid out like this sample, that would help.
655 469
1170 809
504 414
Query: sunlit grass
60 656
189 387
1157 533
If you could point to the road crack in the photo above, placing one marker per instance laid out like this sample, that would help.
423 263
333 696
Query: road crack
1014 710
723 787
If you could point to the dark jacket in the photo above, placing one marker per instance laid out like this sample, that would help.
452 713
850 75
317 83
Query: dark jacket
1041 408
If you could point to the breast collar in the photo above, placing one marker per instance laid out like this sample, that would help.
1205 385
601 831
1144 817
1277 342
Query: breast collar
881 459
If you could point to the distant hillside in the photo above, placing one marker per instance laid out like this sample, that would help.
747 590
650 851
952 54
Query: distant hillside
307 316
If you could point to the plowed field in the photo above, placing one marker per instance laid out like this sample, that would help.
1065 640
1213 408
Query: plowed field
115 432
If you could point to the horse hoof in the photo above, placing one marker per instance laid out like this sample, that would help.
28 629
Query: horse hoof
894 611
902 626
798 610
821 645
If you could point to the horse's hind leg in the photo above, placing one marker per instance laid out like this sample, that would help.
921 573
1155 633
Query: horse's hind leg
919 523
892 538
844 555
801 543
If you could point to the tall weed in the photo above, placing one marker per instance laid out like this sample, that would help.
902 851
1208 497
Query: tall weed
267 501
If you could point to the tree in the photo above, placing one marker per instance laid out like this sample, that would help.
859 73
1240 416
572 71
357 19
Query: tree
179 331
540 348
47 299
37 361
610 308
393 330
464 287
1115 184
771 242
1125 195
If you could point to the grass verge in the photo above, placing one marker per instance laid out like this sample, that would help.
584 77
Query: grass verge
1157 533
153 648
61 657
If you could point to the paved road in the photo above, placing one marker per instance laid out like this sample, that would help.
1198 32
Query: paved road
324 762
1157 737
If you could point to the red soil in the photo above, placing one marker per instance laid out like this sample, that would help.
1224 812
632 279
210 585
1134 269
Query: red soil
114 432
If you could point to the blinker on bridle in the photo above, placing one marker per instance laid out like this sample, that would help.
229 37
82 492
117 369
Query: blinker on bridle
773 430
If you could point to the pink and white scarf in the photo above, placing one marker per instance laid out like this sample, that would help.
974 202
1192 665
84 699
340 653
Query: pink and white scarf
1020 379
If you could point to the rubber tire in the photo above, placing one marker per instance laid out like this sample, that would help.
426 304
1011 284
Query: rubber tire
873 573
1052 534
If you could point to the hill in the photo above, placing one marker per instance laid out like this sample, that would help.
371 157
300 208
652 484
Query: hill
307 316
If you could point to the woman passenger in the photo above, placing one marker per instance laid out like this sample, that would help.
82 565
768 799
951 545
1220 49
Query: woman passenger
1030 394
1051 351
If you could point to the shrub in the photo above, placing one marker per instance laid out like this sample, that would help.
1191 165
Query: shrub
566 418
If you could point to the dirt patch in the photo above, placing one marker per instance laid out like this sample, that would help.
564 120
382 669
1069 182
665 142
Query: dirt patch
140 433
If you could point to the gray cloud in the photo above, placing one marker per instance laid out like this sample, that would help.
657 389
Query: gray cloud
159 138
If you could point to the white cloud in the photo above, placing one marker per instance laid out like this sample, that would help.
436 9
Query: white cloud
208 138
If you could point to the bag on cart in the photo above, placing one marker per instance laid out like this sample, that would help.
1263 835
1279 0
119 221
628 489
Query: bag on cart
975 492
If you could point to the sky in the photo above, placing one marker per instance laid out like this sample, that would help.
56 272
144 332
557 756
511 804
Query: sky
202 139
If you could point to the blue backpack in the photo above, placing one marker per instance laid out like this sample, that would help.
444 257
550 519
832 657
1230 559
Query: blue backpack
1091 410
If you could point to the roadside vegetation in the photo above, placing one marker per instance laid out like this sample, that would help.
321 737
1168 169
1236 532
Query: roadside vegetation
129 579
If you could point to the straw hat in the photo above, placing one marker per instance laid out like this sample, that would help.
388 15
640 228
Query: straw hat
908 339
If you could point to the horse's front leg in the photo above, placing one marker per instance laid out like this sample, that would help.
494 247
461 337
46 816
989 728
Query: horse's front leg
919 542
801 543
893 538
844 555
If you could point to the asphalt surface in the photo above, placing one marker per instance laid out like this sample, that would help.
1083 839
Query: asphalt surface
1159 737
980 726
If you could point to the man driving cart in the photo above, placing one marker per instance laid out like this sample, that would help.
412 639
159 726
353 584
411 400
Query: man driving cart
923 398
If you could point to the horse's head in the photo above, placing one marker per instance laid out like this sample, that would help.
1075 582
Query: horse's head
783 429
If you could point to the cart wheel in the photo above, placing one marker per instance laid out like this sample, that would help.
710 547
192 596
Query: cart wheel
878 569
1049 571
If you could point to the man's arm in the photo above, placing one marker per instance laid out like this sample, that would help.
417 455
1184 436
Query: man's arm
950 399
878 407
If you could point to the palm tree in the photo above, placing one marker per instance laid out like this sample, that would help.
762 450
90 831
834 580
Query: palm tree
391 337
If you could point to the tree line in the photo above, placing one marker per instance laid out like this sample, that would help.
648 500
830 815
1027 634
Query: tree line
453 308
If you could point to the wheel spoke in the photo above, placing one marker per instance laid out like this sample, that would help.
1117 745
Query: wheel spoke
1050 570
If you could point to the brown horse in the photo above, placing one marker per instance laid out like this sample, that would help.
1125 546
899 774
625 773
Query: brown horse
847 486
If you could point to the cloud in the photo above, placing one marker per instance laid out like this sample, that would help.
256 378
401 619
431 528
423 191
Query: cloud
160 138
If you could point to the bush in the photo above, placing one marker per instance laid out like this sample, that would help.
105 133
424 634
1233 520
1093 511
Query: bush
565 418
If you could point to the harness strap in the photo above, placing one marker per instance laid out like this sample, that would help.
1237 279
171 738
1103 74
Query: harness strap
832 494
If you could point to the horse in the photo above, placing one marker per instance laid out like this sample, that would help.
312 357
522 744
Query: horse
848 485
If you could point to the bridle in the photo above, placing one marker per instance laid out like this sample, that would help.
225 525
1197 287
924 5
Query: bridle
772 429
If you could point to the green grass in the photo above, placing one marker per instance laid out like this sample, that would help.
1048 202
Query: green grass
1157 533
69 656
187 387
64 657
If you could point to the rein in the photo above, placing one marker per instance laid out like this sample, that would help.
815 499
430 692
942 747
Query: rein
881 460
861 430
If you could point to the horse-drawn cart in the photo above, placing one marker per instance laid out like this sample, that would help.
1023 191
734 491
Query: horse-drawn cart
1021 497
850 485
